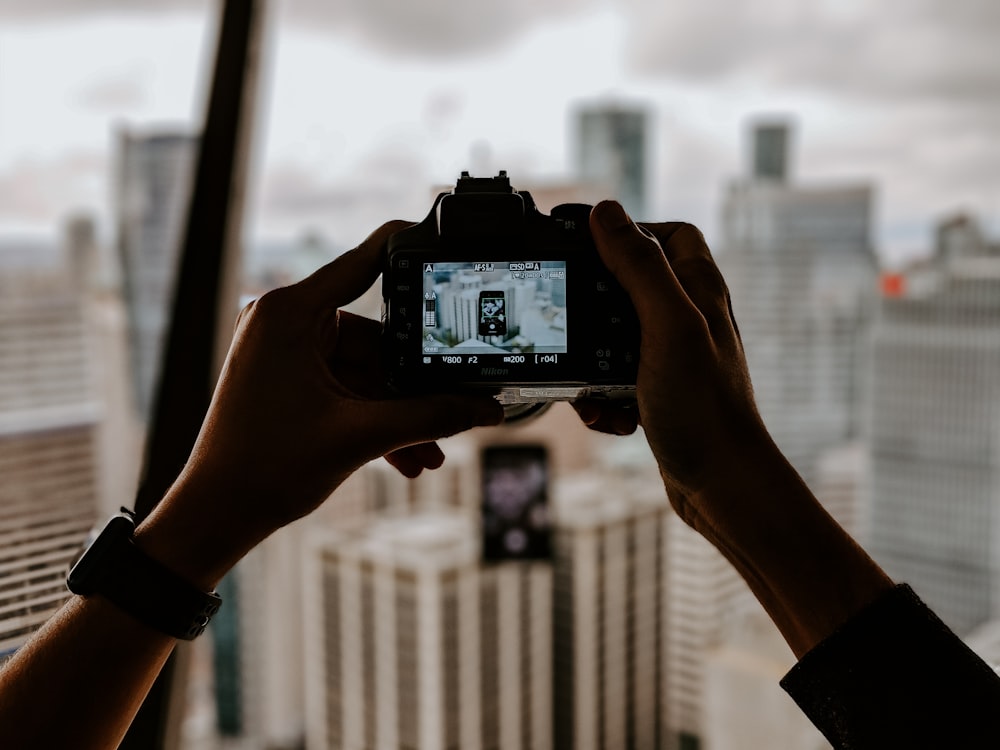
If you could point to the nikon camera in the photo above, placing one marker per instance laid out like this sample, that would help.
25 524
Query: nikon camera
489 294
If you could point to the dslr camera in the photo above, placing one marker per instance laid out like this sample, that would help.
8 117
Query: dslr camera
488 294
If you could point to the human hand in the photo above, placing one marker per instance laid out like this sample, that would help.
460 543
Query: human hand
301 404
723 473
695 401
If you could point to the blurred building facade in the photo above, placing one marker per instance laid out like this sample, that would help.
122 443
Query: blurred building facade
935 428
609 614
802 276
704 596
153 186
613 149
744 706
61 468
414 644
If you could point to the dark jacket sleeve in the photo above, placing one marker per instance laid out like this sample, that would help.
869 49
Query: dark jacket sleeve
895 676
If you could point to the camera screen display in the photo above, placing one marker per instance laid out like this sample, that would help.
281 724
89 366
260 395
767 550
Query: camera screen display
481 308
516 523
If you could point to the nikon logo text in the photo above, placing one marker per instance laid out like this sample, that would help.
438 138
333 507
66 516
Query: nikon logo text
488 372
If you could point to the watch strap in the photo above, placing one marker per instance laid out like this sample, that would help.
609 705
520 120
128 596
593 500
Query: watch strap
159 597
140 585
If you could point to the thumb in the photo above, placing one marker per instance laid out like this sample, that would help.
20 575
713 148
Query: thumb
636 259
410 421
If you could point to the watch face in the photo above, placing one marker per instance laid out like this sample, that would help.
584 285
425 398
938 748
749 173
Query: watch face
89 566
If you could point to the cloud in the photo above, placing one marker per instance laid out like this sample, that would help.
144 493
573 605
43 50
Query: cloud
430 28
48 10
938 49
123 92
36 191
435 28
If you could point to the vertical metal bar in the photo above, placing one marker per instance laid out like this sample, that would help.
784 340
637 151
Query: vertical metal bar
204 296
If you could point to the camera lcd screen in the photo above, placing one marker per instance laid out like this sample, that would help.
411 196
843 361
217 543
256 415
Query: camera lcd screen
497 307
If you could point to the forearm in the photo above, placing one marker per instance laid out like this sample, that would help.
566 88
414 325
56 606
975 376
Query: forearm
80 680
807 572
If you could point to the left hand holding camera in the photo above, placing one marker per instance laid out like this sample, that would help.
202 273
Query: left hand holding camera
299 406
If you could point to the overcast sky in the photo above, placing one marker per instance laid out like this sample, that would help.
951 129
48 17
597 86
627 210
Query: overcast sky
370 102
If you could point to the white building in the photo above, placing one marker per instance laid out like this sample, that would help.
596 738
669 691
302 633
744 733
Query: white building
50 440
802 277
610 572
612 148
801 274
704 596
264 704
744 707
412 644
935 431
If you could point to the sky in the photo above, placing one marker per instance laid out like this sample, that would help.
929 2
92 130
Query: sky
367 104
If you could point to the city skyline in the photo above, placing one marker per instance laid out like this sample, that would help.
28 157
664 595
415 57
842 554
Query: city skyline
452 103
640 624
618 567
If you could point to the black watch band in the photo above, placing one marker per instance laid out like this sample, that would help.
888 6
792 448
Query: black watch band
122 573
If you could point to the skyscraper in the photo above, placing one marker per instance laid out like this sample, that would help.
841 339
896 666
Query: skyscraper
744 706
935 429
802 276
800 270
609 614
704 595
413 644
612 149
49 448
153 189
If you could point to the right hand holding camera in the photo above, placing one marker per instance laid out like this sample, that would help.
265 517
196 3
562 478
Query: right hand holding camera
723 473
694 395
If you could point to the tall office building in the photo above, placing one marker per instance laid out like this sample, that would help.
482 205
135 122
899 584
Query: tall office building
935 429
771 151
744 706
153 190
704 595
260 678
50 413
414 644
610 571
802 275
613 149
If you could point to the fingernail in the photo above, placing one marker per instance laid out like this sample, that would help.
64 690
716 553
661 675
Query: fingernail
612 216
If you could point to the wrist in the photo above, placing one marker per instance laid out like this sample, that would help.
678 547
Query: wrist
806 570
188 534
117 569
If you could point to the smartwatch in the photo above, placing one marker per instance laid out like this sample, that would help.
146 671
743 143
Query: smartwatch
113 567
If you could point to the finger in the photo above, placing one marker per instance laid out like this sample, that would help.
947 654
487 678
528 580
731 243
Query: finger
412 460
352 350
637 261
244 313
678 239
396 423
608 417
348 277
358 339
692 263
